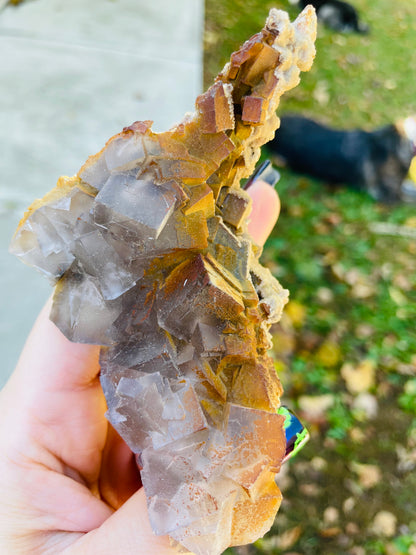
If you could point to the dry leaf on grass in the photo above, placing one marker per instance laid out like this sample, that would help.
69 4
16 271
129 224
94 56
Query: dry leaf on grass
359 378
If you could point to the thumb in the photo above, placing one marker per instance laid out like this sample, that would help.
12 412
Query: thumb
126 532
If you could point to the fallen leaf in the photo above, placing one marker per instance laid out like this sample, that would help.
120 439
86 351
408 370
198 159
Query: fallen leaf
359 378
296 210
330 259
390 84
354 276
331 515
211 38
338 271
283 479
289 537
391 549
318 464
406 369
397 296
329 354
325 295
321 93
315 406
411 222
333 218
348 504
296 312
406 459
283 343
352 529
357 435
361 286
364 330
310 490
366 404
309 340
369 475
321 228
363 290
402 282
384 524
339 39
284 540
410 388
330 532
280 366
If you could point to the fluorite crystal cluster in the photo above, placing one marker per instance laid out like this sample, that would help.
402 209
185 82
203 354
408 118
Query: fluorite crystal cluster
149 248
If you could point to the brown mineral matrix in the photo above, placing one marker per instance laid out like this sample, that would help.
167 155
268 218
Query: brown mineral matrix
149 249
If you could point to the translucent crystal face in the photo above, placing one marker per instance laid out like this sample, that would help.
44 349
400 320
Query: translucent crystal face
149 248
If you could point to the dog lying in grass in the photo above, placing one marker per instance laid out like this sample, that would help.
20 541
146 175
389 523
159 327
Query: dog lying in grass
337 15
377 162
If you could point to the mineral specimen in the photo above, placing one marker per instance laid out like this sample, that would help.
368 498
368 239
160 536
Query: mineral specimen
149 248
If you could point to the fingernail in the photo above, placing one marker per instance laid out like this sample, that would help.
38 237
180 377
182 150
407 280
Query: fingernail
296 434
266 172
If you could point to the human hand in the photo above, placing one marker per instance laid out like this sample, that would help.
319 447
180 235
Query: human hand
68 482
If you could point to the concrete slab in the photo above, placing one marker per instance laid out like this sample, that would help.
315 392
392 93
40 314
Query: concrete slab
72 75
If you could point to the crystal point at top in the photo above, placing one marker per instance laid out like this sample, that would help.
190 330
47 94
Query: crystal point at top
149 249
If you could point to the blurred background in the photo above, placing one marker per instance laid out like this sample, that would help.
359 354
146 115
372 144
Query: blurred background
73 74
346 347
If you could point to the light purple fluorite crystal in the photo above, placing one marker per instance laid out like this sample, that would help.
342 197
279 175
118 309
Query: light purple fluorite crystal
148 247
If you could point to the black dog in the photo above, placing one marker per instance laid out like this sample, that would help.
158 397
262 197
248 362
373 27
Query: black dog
376 162
337 15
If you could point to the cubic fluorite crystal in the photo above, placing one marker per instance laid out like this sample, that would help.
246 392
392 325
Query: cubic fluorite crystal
149 248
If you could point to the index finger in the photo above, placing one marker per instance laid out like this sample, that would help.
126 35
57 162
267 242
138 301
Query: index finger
265 211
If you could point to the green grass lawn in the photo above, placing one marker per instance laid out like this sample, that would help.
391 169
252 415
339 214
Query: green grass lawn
346 348
356 80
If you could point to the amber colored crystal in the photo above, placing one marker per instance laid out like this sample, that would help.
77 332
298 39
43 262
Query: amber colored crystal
149 249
